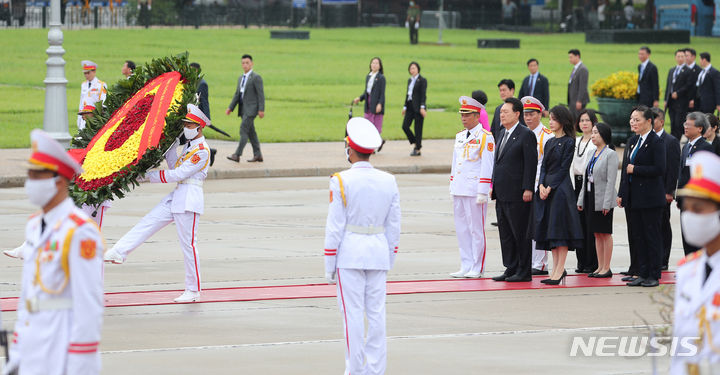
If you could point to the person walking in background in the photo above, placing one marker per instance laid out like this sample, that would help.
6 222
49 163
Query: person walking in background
412 21
711 134
648 87
677 91
513 183
707 97
536 85
414 108
556 222
672 168
374 95
128 68
482 98
506 88
696 125
250 99
577 94
470 177
584 149
597 198
642 192
92 90
532 111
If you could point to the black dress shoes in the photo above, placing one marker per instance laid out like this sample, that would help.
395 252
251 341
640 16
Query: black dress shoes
234 157
415 152
500 278
579 270
628 278
637 282
516 278
605 275
665 267
213 151
650 282
536 272
258 159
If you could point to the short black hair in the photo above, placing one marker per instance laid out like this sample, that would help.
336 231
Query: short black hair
563 115
605 132
246 56
646 112
130 64
591 114
646 48
531 60
713 121
706 56
507 82
658 112
680 50
195 65
517 105
575 52
414 63
480 96
691 50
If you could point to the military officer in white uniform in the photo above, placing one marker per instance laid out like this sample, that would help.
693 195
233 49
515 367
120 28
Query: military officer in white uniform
91 91
470 178
697 292
532 112
184 205
361 240
60 310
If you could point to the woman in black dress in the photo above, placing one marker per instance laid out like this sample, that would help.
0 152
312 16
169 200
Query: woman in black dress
557 222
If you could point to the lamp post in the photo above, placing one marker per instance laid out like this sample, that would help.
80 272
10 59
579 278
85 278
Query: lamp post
55 121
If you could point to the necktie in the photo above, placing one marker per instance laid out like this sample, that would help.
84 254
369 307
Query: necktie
708 271
685 154
532 84
502 145
89 83
635 151
42 226
468 134
572 74
675 73
242 85
642 70
701 78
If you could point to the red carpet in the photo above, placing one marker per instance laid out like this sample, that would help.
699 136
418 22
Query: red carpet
165 297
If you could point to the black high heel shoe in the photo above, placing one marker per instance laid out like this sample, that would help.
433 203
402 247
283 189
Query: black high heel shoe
605 275
558 281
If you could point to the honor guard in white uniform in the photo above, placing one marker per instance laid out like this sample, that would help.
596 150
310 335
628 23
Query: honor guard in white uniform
696 323
184 205
91 90
60 309
361 240
470 178
533 110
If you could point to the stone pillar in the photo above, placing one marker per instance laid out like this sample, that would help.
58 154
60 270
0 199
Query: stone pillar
56 115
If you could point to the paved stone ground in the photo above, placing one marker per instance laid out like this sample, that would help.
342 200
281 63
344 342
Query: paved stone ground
269 231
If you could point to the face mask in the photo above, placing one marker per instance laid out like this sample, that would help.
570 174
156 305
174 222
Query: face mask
190 133
40 192
700 229
347 155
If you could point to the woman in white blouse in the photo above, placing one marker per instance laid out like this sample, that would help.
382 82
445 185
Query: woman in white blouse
584 149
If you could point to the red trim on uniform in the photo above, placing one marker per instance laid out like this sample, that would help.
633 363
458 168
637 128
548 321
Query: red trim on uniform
62 168
482 262
201 146
342 298
77 219
470 107
82 351
88 67
357 148
84 343
102 212
196 119
162 177
192 242
330 252
83 347
704 184
532 106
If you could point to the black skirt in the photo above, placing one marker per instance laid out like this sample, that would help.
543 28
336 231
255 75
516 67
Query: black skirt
596 221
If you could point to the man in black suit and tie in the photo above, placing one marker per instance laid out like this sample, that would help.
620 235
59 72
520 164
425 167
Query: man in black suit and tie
707 97
648 87
678 89
536 85
672 168
414 108
203 93
695 126
577 94
506 87
250 99
513 185
642 193
695 69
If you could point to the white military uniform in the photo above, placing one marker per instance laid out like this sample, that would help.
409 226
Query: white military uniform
540 257
697 314
472 168
361 239
182 206
90 93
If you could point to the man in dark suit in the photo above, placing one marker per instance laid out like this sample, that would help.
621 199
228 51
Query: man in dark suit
506 87
513 185
250 99
696 124
642 193
414 108
577 94
695 69
707 97
648 87
672 168
204 104
536 85
677 93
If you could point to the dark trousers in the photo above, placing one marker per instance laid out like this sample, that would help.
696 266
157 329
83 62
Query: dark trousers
587 256
666 235
677 113
645 223
634 268
513 220
413 34
410 116
247 132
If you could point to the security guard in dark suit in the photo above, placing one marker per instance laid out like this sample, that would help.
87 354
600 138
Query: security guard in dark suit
677 93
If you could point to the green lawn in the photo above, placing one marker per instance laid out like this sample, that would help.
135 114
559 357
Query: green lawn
309 83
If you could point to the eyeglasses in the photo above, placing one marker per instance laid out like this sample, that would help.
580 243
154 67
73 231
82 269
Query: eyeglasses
86 73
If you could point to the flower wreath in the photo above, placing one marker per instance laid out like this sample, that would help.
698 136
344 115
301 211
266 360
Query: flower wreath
129 136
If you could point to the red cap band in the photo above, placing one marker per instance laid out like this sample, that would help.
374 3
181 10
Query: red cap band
196 119
358 148
470 107
532 106
53 164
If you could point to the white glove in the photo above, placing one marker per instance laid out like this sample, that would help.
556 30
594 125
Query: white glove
417 25
12 365
330 277
481 199
407 24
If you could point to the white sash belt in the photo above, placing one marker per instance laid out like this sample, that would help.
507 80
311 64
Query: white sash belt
370 229
191 182
34 305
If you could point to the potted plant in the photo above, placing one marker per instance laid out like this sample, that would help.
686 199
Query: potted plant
617 96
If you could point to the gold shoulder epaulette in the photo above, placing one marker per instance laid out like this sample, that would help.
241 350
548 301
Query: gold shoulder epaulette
691 257
546 130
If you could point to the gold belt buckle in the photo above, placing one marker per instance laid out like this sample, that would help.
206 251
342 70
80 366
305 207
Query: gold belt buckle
29 305
693 369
